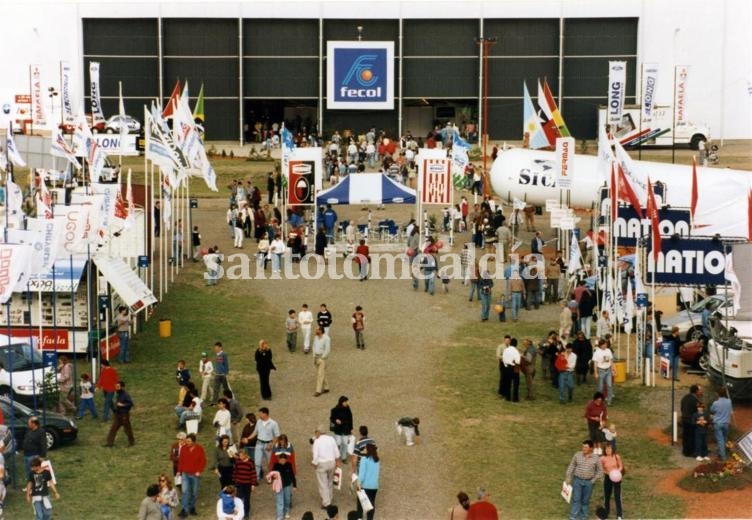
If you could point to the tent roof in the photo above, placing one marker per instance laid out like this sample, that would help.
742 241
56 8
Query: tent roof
367 188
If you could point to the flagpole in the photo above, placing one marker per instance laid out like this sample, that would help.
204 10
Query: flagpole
161 234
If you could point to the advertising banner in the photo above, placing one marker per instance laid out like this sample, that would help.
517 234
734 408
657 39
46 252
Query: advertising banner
684 261
629 228
97 115
301 178
360 75
617 85
435 182
37 98
65 92
649 82
564 161
681 74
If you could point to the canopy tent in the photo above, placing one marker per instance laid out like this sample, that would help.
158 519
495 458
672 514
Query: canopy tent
367 188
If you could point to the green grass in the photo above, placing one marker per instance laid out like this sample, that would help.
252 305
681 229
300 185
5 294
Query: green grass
521 450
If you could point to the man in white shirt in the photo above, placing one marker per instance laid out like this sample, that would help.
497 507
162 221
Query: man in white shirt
305 318
500 357
206 369
510 358
265 432
325 460
603 367
322 347
566 378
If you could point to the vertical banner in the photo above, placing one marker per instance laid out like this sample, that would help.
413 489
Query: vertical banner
649 81
97 115
37 98
65 92
300 183
436 182
617 84
564 161
680 94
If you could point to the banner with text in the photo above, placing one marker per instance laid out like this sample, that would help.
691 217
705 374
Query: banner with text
684 261
435 182
360 75
97 115
617 85
681 75
649 83
564 161
37 98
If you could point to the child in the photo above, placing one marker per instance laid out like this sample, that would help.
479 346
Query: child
359 324
291 327
409 426
87 397
443 274
227 501
39 483
700 420
282 479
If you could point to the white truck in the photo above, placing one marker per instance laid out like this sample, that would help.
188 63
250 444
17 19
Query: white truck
632 132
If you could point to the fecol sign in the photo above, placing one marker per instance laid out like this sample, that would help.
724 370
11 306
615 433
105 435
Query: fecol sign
628 227
360 75
686 261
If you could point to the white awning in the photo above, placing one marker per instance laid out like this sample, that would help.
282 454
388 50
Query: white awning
125 282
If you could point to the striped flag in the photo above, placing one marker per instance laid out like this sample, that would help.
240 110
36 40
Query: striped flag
174 96
60 148
548 105
198 110
531 122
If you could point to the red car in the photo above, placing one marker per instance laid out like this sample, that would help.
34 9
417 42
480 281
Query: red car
694 353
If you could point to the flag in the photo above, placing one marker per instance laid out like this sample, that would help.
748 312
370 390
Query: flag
551 131
10 147
654 222
37 97
43 205
649 85
553 110
16 261
174 96
459 163
14 201
614 195
749 214
185 94
129 200
82 136
605 153
627 193
531 122
121 208
198 110
166 201
60 148
617 84
458 141
736 286
628 308
121 113
693 201
633 171
65 92
97 115
287 140
575 257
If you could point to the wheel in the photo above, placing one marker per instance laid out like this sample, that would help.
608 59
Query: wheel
703 362
110 131
95 130
4 390
53 438
694 334
694 143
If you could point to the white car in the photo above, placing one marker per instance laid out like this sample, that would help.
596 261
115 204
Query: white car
689 320
116 122
25 362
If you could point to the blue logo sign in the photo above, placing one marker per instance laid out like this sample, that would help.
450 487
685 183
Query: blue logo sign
360 75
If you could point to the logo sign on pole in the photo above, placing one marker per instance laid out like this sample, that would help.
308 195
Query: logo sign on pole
564 161
37 101
360 75
617 84
649 81
65 91
680 94
436 182
301 182
685 261
628 228
97 114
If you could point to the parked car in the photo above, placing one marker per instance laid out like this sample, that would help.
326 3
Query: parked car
95 128
116 122
24 361
694 353
689 320
58 428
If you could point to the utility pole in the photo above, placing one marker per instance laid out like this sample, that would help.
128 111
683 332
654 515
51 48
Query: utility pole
485 42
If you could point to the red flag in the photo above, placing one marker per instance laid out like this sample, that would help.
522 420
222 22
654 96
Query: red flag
654 222
627 194
551 131
614 197
693 202
749 215
172 102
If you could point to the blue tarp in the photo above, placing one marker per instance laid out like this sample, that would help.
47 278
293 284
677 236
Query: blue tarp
367 188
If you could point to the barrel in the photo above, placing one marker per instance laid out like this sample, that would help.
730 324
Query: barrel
620 371
165 328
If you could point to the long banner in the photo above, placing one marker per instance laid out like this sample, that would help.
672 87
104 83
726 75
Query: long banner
97 115
65 92
436 182
37 98
649 82
617 84
564 161
685 261
681 74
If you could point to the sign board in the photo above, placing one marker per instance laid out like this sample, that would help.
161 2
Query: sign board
125 282
684 261
435 182
110 143
552 204
301 179
360 75
628 228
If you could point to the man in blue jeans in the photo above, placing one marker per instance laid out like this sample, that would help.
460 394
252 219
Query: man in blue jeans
566 376
485 284
584 469
124 330
721 411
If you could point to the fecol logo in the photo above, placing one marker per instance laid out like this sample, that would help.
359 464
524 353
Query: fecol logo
360 74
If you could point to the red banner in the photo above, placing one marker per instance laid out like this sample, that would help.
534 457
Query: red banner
300 184
436 182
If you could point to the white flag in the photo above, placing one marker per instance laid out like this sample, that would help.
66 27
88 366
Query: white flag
65 92
649 85
97 115
10 146
37 97
681 73
628 308
15 259
617 84
575 257
60 147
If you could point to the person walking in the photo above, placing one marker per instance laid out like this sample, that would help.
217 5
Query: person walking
191 463
362 258
721 411
368 479
688 407
34 442
305 318
291 330
206 369
322 347
264 366
195 243
108 378
583 470
341 425
359 325
221 371
245 478
603 369
510 359
122 417
149 508
124 332
265 433
485 287
613 471
38 484
482 509
325 460
527 364
565 364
